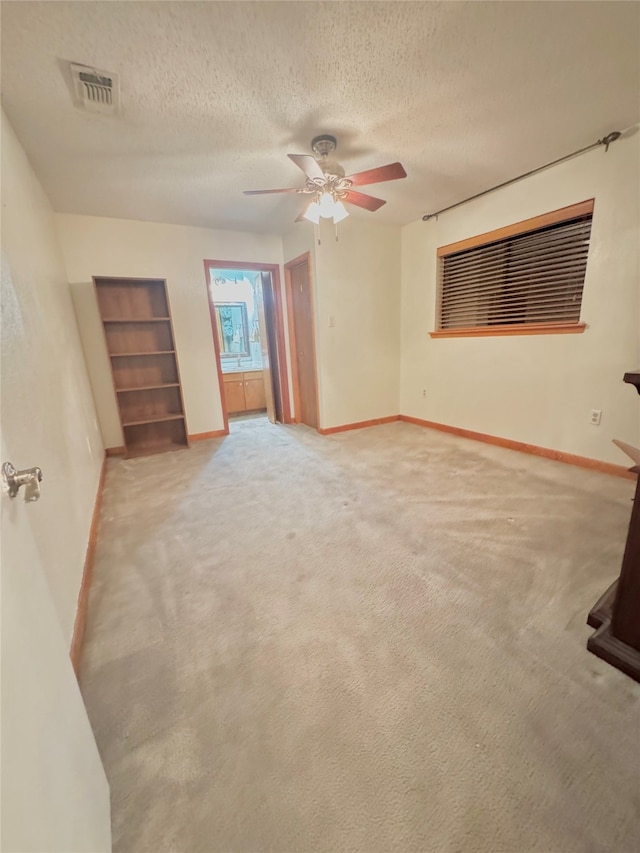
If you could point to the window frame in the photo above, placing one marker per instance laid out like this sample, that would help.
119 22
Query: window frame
525 226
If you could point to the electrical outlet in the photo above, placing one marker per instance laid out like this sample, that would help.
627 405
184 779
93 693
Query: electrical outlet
424 392
332 321
596 416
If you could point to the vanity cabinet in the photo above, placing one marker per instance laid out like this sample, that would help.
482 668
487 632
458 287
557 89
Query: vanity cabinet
244 391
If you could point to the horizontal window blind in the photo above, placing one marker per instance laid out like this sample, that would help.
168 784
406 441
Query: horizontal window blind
527 278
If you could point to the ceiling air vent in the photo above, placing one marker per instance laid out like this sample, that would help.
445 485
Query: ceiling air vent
95 91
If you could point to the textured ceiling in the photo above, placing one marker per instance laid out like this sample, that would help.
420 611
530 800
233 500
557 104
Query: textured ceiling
214 95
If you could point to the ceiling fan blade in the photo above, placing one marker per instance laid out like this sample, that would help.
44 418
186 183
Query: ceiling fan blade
390 172
263 192
369 202
300 216
308 164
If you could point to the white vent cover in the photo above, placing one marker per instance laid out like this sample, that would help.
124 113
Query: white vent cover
94 90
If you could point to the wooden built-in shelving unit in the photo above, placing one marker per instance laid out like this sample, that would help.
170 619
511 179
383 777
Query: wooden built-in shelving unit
138 332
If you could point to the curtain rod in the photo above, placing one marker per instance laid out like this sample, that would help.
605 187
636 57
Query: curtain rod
606 141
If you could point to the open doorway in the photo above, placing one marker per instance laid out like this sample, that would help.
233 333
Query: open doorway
246 320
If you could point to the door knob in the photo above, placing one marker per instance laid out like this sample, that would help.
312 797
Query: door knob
30 478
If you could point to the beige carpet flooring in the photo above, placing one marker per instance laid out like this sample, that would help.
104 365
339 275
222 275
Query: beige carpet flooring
373 641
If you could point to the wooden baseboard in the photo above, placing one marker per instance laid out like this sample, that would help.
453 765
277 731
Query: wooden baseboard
115 451
202 436
87 572
557 455
359 425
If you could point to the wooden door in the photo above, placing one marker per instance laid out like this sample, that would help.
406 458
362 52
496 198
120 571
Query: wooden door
54 791
267 378
302 341
270 317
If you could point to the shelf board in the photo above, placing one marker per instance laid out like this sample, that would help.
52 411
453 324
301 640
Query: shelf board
148 387
151 352
133 451
158 419
141 320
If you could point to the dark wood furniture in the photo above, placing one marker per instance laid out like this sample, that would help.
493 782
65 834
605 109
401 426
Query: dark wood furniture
616 614
139 337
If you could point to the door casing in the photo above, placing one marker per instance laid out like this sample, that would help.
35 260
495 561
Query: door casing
274 269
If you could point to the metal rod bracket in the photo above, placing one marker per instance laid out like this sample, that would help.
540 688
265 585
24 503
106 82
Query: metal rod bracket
606 141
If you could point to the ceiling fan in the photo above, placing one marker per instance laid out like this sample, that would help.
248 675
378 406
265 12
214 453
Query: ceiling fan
329 187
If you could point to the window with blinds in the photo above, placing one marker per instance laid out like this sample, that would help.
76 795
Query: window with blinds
526 277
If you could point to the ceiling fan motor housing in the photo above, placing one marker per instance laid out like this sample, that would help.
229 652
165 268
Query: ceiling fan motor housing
323 145
332 168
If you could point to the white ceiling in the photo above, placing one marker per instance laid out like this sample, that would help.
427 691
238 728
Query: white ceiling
214 95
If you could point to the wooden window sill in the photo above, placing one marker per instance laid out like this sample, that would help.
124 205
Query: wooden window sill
520 329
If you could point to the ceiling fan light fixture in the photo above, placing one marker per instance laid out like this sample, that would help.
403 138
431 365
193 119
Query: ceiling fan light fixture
327 205
340 212
331 208
312 213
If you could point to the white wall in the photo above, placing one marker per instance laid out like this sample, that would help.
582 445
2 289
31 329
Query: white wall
54 792
96 246
537 389
357 287
298 241
48 414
